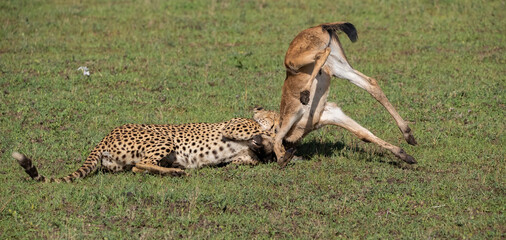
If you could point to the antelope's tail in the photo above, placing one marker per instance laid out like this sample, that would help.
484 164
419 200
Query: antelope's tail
88 166
345 27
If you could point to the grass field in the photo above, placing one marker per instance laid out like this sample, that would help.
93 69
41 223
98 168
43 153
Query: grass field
441 63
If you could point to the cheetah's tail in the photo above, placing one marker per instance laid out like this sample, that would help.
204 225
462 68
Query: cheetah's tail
88 166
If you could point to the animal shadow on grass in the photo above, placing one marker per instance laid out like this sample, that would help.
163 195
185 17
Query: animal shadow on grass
307 150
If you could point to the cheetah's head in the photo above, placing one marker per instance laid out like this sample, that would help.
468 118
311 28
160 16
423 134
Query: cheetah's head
268 119
264 144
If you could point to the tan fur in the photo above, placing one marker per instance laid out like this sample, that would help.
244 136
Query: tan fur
169 149
318 50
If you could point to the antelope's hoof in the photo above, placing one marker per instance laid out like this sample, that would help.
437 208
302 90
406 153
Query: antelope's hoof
406 157
408 135
409 159
411 140
283 161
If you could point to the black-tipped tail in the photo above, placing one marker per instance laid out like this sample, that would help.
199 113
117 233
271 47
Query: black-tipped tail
346 27
27 164
89 165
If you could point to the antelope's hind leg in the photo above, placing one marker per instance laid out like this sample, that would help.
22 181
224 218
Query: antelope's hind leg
294 63
371 86
319 60
333 115
340 68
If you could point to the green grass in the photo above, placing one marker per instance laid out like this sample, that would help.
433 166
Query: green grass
441 63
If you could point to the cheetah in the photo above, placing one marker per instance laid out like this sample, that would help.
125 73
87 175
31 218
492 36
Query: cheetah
170 149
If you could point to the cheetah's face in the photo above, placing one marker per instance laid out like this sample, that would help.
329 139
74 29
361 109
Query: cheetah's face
266 118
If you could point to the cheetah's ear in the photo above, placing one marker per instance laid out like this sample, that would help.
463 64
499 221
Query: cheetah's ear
258 108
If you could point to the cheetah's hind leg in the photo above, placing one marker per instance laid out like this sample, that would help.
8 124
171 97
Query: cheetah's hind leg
153 169
148 166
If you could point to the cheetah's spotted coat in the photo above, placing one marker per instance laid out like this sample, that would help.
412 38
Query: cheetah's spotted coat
169 149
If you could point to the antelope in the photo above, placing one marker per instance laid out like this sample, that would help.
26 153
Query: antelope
313 57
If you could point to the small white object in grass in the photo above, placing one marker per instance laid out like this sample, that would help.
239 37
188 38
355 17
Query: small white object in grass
85 71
